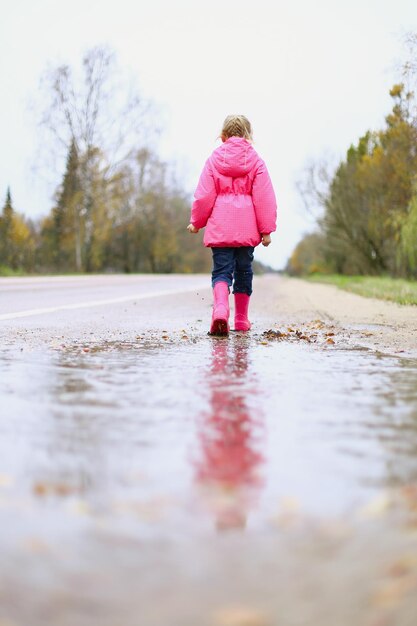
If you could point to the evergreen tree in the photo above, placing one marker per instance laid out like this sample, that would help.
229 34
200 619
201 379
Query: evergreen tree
16 238
65 228
6 231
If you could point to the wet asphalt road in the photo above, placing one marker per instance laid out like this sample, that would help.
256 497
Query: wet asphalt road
151 475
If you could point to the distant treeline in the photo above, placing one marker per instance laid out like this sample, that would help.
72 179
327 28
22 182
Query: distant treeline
367 222
117 207
131 221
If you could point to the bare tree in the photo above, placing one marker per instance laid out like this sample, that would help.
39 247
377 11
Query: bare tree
97 106
406 67
313 186
99 111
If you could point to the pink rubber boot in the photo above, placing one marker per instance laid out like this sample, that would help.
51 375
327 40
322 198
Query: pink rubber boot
220 317
241 311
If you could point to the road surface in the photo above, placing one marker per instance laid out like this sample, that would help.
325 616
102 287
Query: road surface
151 475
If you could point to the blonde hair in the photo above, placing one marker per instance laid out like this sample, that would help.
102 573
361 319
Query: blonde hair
237 126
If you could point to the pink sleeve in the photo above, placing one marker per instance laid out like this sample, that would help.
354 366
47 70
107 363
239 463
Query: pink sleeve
264 201
204 197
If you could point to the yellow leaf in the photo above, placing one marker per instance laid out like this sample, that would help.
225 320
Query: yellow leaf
240 616
377 507
5 480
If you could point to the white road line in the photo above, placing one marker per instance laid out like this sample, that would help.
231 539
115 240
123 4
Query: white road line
86 305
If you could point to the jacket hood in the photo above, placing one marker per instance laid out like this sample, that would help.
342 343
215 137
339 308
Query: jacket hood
235 157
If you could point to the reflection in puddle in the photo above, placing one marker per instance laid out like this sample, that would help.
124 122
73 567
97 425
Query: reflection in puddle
228 463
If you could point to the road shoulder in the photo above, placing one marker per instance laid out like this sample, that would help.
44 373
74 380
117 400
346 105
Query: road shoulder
376 324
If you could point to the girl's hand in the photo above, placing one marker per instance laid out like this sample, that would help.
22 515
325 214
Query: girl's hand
266 239
192 229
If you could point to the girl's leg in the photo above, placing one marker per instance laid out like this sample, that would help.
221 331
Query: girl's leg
243 273
243 276
223 265
222 276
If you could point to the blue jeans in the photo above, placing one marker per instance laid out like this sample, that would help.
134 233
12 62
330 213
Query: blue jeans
233 266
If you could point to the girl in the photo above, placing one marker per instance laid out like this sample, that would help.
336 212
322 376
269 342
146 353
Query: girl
235 200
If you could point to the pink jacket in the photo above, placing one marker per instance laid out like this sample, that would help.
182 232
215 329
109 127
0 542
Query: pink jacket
234 198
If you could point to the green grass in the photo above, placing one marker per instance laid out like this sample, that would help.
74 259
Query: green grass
7 271
382 287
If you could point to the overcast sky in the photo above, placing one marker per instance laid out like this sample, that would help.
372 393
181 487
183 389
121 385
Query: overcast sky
311 77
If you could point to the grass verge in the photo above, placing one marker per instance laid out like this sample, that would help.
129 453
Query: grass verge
394 289
7 271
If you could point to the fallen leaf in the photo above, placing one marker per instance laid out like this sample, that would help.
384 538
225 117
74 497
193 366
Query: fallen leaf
410 491
80 507
35 546
5 480
289 512
273 334
52 489
400 568
391 593
240 616
377 507
39 489
335 529
289 504
330 340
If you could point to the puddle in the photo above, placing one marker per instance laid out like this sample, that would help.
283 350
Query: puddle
206 471
167 437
